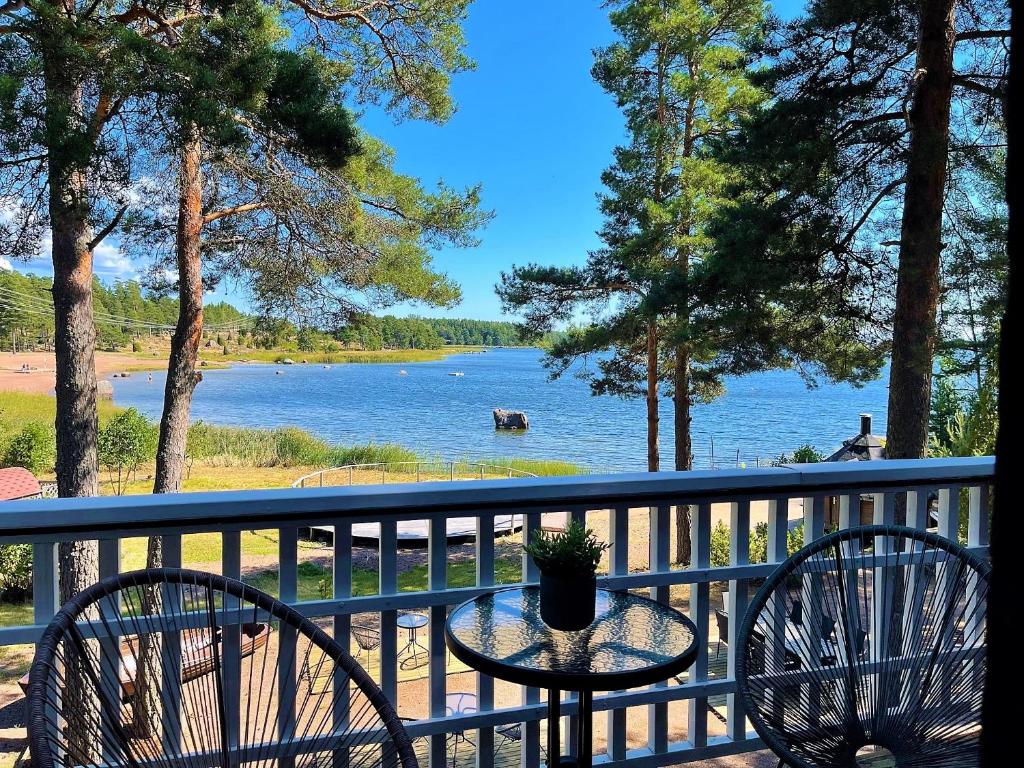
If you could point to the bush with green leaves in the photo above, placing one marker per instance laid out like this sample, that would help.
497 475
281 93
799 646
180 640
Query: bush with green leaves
805 454
15 572
125 441
574 552
758 543
34 448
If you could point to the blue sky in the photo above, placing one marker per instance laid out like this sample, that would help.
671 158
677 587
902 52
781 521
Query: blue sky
531 127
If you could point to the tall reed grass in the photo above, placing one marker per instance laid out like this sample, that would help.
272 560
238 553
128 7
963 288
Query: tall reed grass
282 447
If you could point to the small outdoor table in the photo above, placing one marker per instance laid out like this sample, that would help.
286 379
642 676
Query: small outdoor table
633 641
412 622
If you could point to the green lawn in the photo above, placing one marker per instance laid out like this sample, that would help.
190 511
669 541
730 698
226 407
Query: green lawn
508 570
314 579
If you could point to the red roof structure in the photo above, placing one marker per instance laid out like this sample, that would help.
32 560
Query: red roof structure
18 483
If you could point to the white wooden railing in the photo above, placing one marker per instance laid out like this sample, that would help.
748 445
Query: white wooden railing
930 489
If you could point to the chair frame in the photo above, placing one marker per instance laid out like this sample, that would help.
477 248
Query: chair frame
76 608
773 739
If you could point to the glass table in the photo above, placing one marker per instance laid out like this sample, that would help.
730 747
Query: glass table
412 622
633 641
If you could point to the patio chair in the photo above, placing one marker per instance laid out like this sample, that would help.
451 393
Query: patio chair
244 709
893 681
367 637
722 619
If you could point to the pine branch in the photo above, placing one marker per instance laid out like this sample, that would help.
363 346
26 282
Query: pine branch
111 225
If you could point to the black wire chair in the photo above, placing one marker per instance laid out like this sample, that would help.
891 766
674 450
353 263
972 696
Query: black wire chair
170 668
887 662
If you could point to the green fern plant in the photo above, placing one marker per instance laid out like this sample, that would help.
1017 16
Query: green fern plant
573 552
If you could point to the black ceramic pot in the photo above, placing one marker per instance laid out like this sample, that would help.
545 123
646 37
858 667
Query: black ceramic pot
567 603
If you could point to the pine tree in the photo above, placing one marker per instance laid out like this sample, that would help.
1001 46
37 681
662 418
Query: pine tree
846 176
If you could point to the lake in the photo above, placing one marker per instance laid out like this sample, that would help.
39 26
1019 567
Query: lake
437 414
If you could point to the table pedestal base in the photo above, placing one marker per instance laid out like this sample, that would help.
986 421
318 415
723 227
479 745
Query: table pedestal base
584 731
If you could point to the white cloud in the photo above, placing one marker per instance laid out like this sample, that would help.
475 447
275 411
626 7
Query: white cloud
5 264
108 260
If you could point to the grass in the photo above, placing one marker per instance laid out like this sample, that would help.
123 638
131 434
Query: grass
20 408
539 467
283 447
204 549
314 578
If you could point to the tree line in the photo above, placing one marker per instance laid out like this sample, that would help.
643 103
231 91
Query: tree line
389 332
123 311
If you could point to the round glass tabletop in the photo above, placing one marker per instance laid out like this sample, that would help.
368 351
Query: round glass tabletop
412 620
633 641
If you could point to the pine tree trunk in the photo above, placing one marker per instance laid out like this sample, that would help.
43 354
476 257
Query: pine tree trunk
181 368
76 422
174 421
917 290
684 448
653 453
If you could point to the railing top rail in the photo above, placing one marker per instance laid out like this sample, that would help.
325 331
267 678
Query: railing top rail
223 510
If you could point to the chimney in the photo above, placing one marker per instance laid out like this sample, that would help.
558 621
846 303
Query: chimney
865 423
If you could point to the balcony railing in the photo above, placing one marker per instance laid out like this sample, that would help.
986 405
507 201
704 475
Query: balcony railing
695 717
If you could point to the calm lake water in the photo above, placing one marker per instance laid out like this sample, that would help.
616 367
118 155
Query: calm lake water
448 416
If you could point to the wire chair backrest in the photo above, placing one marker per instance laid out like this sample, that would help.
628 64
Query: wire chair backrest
367 637
169 668
890 652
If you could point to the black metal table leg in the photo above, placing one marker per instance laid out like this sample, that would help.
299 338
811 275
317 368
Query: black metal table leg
584 724
555 757
584 732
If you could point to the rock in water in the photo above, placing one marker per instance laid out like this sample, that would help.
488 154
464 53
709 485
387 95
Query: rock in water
510 419
104 389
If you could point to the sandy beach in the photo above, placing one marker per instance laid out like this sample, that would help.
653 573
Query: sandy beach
39 378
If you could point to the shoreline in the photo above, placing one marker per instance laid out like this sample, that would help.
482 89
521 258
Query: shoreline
40 377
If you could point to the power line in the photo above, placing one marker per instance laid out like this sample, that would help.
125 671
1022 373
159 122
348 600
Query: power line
34 305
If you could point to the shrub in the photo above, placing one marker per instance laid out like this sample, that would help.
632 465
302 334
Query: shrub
125 442
34 448
15 572
758 543
805 454
136 346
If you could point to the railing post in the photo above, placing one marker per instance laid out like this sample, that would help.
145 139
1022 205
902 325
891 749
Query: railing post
288 544
45 582
739 554
700 605
660 533
777 551
811 594
172 717
231 565
110 646
387 580
341 581
618 565
529 748
485 683
437 580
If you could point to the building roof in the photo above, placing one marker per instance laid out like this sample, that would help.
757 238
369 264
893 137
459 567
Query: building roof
862 447
18 483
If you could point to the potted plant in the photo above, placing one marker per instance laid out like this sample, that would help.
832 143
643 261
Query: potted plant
567 561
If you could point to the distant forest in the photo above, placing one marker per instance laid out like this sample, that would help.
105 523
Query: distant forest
428 333
125 311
